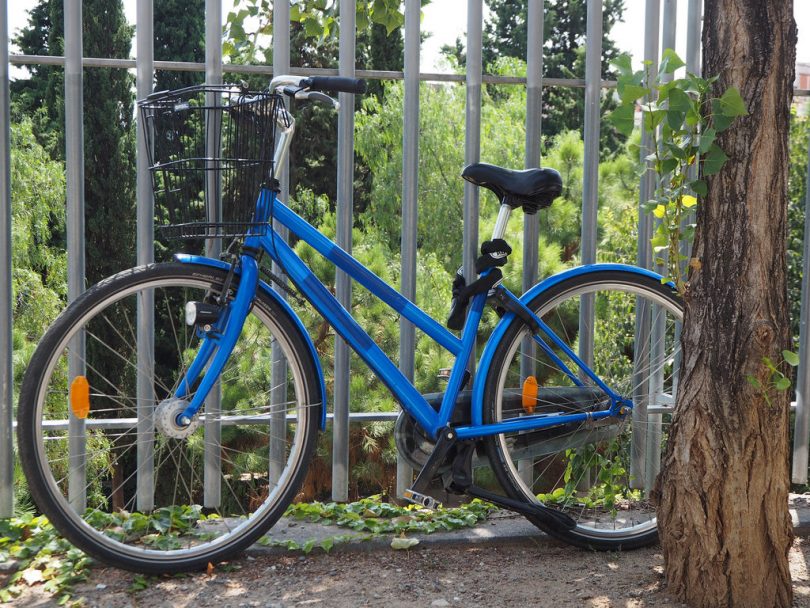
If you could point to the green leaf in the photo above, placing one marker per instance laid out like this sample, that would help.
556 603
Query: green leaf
699 186
312 27
400 543
732 104
630 93
714 160
706 140
670 62
623 63
669 165
659 243
754 382
653 119
782 384
680 101
791 358
623 118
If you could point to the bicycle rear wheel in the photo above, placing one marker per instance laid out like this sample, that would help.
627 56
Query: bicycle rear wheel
600 473
110 468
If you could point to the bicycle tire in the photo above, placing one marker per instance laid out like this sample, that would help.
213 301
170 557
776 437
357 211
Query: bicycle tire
259 473
587 470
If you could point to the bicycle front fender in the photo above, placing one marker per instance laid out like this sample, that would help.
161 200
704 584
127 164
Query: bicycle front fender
492 344
184 258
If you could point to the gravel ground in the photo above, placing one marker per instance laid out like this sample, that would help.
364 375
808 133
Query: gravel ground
545 574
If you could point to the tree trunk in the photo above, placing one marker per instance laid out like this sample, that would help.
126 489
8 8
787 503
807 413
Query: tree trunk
725 526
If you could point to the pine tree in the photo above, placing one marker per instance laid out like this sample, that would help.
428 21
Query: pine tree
313 157
108 128
179 35
564 25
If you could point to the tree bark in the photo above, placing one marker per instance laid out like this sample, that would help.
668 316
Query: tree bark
725 526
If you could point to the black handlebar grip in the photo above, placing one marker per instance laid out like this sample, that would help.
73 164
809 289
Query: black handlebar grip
335 84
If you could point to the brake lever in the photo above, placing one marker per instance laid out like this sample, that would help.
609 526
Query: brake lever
318 96
304 94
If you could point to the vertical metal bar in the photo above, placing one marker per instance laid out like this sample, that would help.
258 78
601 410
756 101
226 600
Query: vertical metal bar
534 108
212 486
74 163
590 174
278 375
693 33
658 327
694 19
6 347
801 433
410 192
343 285
643 314
669 28
144 74
472 138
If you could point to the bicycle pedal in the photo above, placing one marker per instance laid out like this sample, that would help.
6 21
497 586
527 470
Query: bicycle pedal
421 499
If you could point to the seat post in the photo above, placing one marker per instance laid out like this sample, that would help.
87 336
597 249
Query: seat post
500 224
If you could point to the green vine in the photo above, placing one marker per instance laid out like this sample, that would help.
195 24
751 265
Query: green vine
774 379
42 556
683 121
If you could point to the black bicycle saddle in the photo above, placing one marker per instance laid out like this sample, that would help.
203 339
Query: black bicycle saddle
531 189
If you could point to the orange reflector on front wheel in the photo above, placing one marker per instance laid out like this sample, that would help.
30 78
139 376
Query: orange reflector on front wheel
80 397
530 394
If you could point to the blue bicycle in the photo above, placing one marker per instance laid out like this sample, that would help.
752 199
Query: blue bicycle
168 416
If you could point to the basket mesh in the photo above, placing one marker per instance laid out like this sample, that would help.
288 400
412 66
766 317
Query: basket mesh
210 149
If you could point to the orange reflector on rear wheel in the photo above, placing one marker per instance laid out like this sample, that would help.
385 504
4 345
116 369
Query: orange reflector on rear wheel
530 394
80 397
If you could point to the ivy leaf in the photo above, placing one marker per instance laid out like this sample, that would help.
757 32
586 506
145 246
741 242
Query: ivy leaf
782 384
689 201
670 61
401 543
791 358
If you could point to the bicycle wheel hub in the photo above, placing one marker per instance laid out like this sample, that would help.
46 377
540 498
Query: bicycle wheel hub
166 414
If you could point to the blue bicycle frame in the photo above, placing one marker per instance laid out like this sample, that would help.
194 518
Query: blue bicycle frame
218 343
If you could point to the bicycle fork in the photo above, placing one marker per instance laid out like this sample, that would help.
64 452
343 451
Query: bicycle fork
219 339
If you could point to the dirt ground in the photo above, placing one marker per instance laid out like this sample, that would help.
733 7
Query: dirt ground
547 574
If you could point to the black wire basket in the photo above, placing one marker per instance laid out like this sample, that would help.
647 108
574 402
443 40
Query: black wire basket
210 150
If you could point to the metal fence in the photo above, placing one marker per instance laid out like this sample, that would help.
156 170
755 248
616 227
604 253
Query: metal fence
660 16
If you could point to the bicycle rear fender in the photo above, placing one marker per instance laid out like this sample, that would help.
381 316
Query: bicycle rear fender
184 258
497 334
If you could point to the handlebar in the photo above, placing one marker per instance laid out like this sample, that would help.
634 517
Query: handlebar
335 84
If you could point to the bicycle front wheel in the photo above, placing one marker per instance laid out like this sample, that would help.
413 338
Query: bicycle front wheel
98 442
600 473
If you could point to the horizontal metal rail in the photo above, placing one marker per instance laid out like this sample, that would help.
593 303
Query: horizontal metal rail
131 423
186 66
